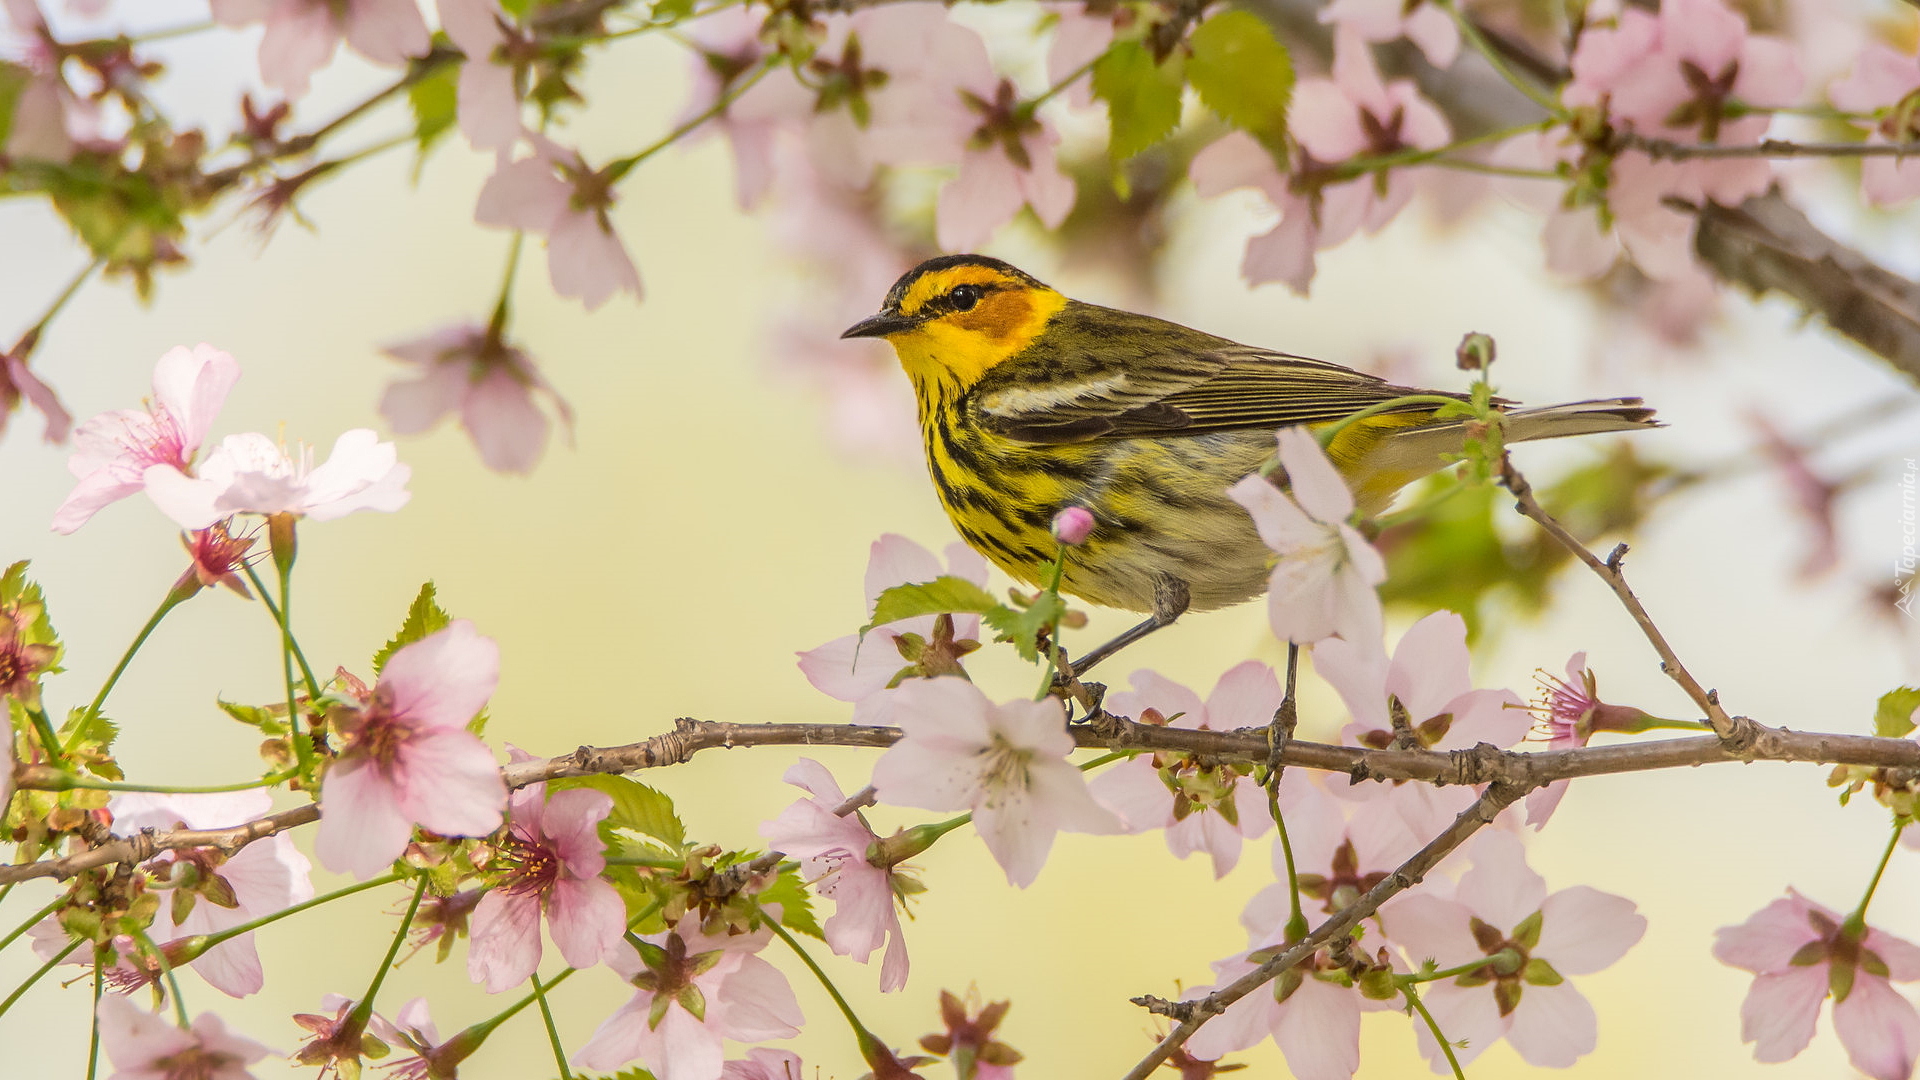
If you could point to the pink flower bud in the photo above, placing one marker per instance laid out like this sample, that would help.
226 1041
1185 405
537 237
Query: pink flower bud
1073 525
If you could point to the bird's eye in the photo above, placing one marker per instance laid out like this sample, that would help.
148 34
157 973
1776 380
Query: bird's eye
964 297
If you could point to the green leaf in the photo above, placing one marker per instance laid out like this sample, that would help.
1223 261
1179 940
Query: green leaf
1143 97
254 716
942 596
1023 628
424 617
435 102
1244 74
13 79
796 906
636 807
1894 717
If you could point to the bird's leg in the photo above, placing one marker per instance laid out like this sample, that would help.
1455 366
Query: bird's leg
1170 598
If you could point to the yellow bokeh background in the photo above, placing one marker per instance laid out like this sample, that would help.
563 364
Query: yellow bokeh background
703 527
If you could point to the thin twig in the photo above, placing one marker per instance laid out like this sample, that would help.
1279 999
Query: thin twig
1410 873
1668 150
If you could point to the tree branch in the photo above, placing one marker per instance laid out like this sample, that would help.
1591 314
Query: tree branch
1482 764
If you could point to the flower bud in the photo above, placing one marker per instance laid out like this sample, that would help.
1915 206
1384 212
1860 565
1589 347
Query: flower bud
1073 525
1475 352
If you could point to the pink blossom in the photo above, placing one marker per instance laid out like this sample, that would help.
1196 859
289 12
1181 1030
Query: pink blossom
765 1063
551 858
1006 763
1009 163
1422 22
407 758
18 383
491 383
726 48
1203 806
1882 83
1802 953
143 1046
556 194
1530 941
693 992
1073 525
1323 581
1423 698
1080 36
412 1028
210 892
47 116
250 474
218 557
488 96
833 851
1353 114
852 667
1308 1011
113 450
302 35
1670 76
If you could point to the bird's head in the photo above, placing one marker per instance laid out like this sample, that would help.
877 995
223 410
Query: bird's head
953 318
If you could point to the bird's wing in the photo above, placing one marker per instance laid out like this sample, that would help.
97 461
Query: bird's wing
1157 378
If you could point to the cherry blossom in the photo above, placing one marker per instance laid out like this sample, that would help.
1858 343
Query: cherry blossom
1421 698
1323 581
210 892
552 858
556 194
1080 36
834 855
250 474
1203 806
1353 114
1803 953
1882 83
22 661
1667 76
143 1046
18 383
1526 942
1009 162
1423 22
1567 713
114 449
406 756
970 1041
488 99
48 118
1311 1012
218 557
694 990
1006 763
727 47
492 385
765 1063
852 667
302 35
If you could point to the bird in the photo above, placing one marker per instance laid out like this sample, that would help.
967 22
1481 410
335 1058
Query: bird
1030 402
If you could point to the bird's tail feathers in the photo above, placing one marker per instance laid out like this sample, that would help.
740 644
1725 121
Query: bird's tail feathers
1579 418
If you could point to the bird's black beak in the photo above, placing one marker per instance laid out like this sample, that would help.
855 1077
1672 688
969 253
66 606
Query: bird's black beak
882 325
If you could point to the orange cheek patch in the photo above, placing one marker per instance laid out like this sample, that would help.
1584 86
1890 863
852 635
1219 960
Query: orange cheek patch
1001 317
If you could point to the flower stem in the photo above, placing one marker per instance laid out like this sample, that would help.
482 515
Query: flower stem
68 783
553 1033
21 990
364 1009
1053 627
158 956
49 741
31 338
860 1031
299 657
1332 431
302 750
1446 1047
254 924
1060 87
174 598
497 325
1449 973
733 93
476 1034
1296 919
1470 30
93 1039
1856 924
52 906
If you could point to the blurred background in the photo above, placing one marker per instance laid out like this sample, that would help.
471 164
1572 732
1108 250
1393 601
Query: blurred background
713 516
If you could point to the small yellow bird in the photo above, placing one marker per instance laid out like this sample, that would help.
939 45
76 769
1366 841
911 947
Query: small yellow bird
1030 403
